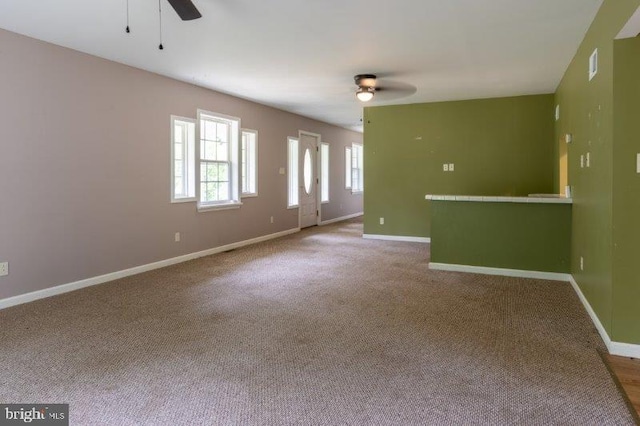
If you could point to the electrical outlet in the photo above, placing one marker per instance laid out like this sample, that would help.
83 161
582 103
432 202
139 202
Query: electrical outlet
177 237
382 221
445 167
4 269
271 219
581 263
582 161
450 167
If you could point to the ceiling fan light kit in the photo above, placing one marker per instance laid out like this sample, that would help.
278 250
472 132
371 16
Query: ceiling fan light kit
366 86
365 94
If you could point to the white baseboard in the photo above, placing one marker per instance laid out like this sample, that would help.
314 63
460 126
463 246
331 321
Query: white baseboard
625 349
340 219
521 273
614 348
594 318
65 288
396 238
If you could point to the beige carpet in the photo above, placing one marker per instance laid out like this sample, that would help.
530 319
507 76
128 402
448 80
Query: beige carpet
321 327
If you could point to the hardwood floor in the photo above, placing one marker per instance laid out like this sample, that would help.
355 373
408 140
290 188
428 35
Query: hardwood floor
627 371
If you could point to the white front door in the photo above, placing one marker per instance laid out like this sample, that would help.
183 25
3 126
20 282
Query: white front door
308 179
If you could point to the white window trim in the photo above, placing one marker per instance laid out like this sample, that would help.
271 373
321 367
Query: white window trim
219 206
234 160
194 198
297 140
254 193
324 180
347 167
361 149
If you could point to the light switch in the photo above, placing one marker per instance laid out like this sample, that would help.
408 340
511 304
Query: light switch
588 159
450 167
445 167
581 161
281 171
638 163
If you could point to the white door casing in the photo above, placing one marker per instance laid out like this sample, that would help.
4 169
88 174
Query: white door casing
308 177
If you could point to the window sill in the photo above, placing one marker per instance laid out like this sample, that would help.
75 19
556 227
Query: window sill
356 192
251 195
216 207
293 207
183 200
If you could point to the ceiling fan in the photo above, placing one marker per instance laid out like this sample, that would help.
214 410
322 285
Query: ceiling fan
185 9
366 86
369 85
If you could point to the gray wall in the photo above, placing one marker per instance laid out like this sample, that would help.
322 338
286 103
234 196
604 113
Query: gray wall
84 167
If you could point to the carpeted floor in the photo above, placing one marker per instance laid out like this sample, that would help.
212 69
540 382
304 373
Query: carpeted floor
321 327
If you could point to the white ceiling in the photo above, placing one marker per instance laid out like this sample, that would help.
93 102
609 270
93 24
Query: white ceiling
301 55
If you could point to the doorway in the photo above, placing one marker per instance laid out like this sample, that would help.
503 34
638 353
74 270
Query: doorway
563 175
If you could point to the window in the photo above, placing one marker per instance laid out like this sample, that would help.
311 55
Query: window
593 64
219 172
249 163
183 174
357 183
293 172
347 167
324 172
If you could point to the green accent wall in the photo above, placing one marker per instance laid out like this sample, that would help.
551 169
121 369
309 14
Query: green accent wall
527 236
587 112
625 321
501 146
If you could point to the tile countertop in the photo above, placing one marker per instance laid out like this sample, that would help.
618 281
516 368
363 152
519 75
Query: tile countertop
540 199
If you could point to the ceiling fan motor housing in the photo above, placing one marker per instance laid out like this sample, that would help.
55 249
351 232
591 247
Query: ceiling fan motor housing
365 80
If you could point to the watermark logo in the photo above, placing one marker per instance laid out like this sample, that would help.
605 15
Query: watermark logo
37 414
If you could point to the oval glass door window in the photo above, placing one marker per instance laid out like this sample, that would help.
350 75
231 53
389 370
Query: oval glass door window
306 173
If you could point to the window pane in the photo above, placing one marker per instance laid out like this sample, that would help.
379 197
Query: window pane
223 191
324 175
222 149
207 192
178 183
209 130
293 172
222 132
347 171
183 160
178 133
357 168
223 172
209 150
307 171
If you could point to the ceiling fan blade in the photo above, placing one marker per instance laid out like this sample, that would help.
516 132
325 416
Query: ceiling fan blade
185 9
